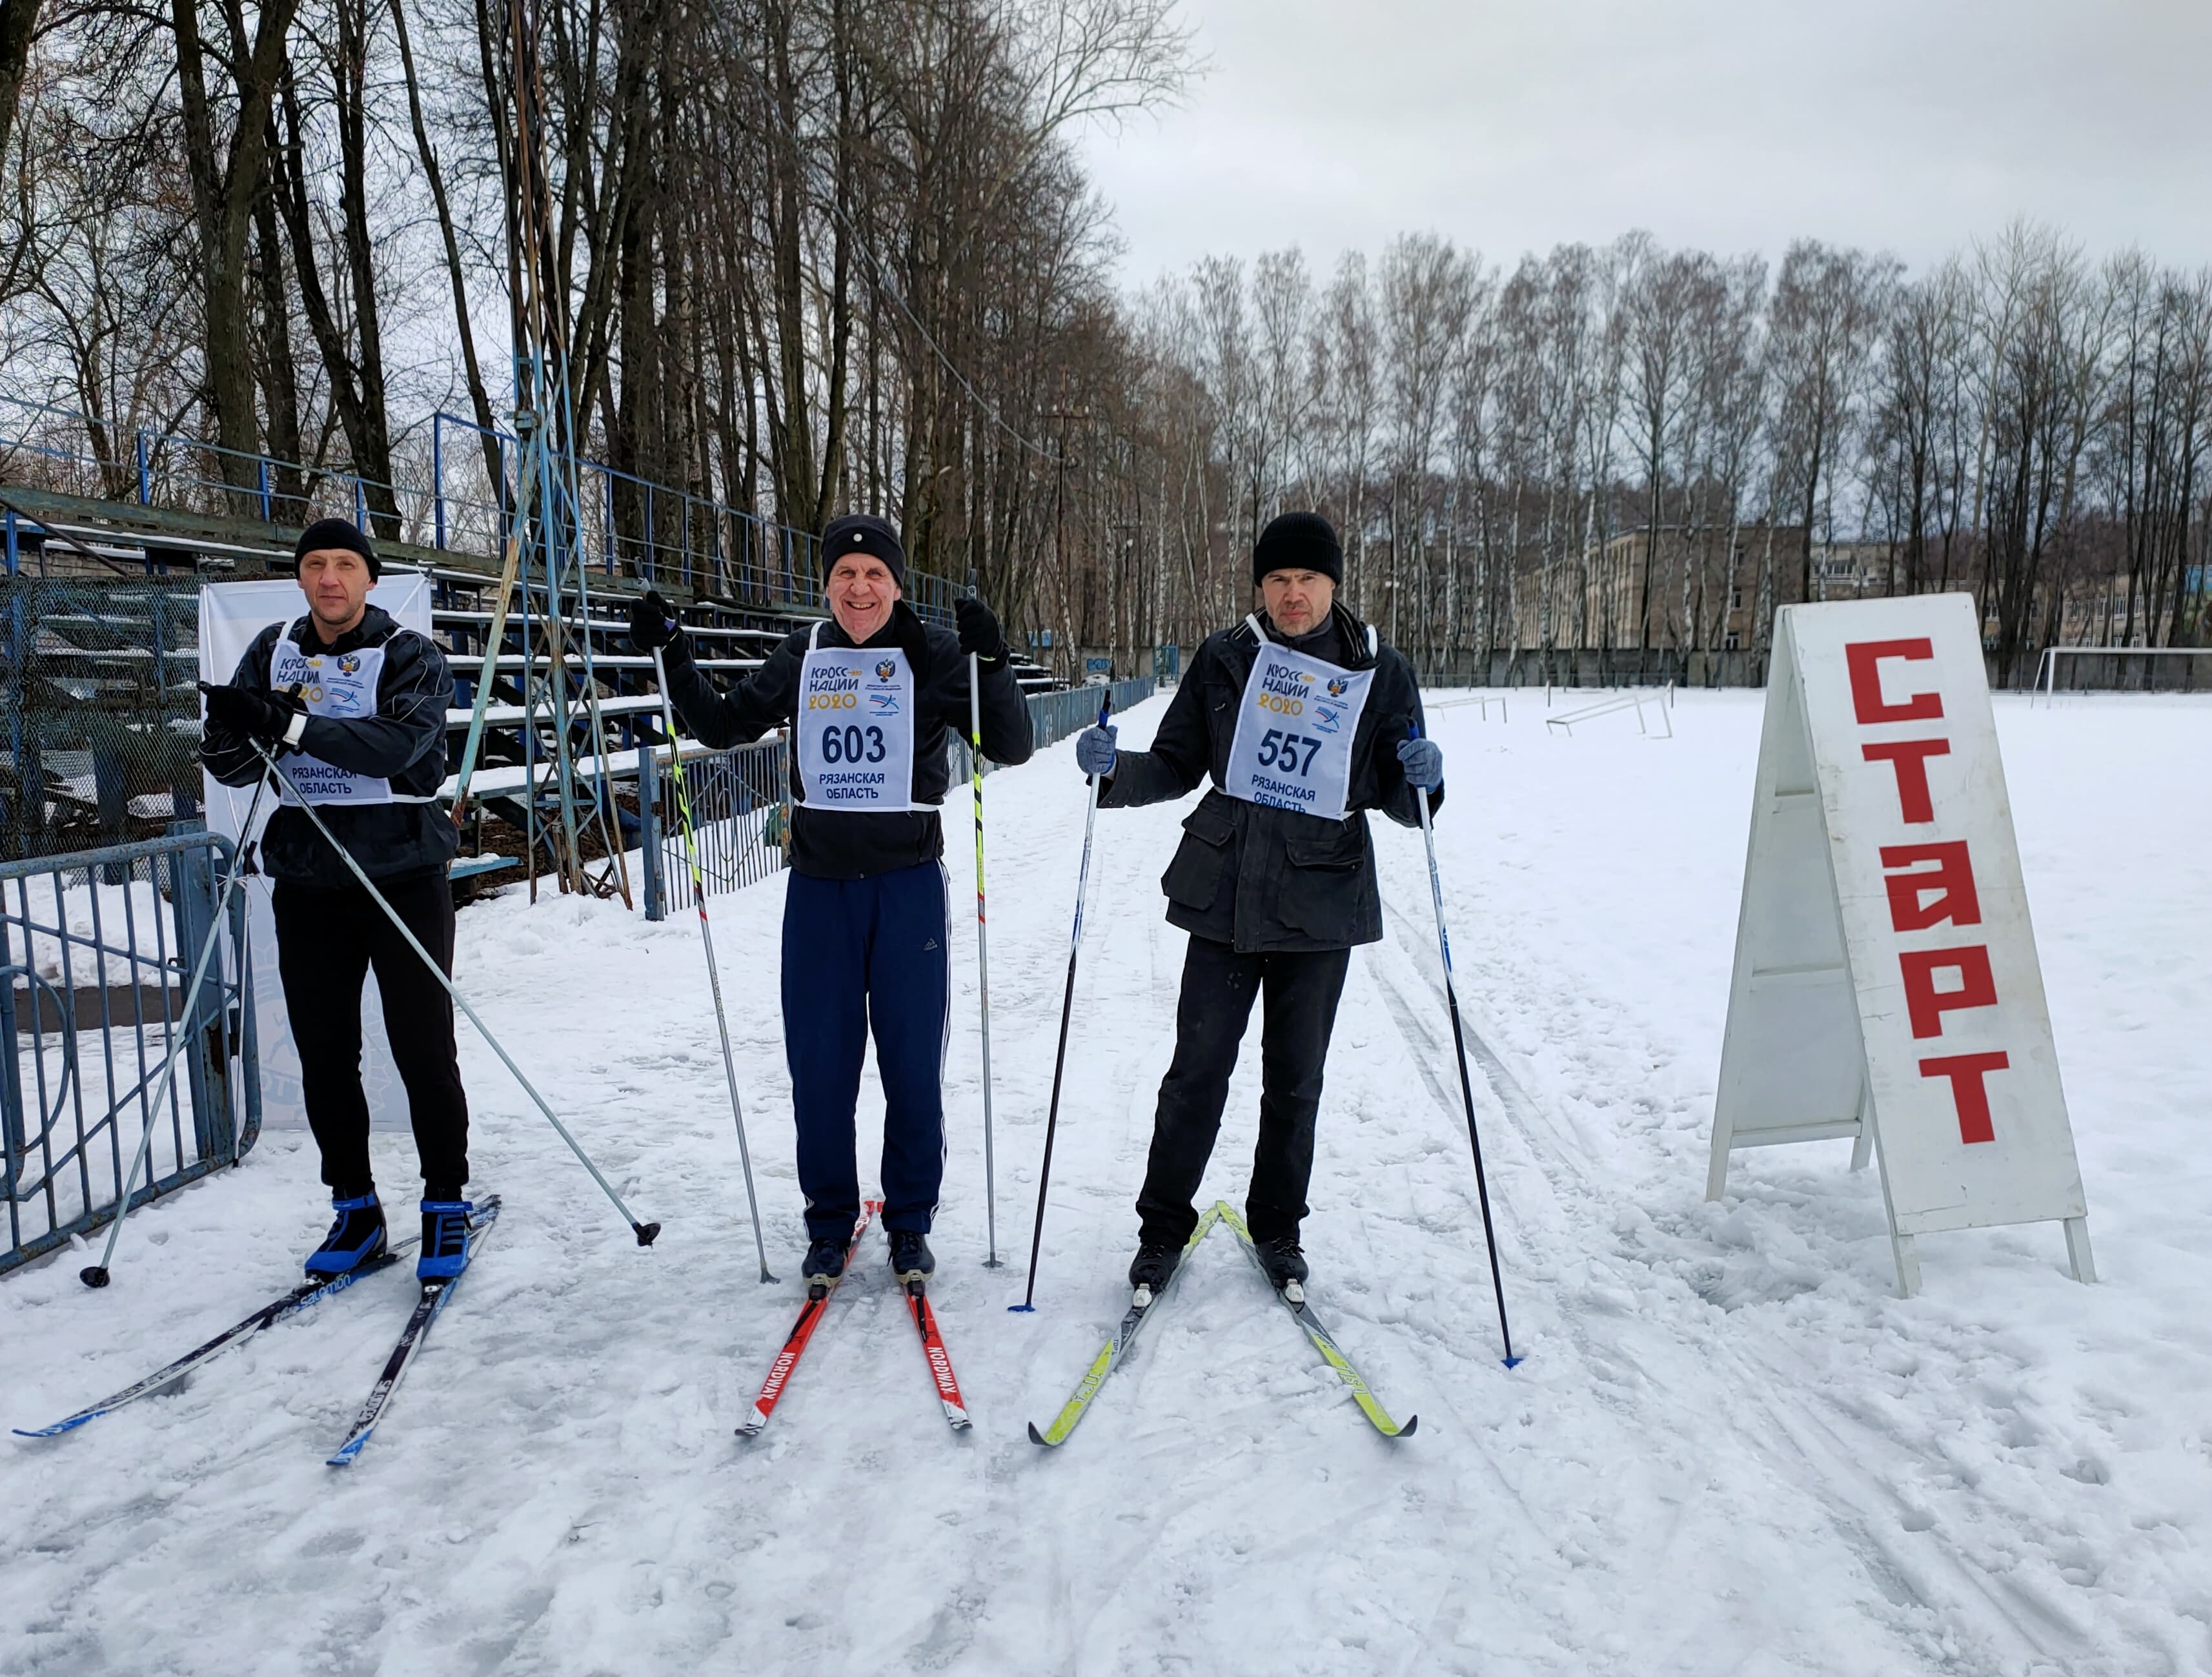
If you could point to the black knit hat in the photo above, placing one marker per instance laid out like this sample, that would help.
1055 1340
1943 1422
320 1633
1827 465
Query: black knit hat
1297 541
327 533
863 532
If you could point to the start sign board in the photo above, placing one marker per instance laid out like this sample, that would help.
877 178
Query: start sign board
1886 987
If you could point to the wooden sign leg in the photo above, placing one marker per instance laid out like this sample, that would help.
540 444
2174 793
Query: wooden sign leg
1908 1264
2077 1250
1716 1172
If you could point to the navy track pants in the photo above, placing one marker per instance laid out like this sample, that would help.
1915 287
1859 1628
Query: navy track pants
862 955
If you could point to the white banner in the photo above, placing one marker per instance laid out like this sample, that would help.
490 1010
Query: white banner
1887 986
231 615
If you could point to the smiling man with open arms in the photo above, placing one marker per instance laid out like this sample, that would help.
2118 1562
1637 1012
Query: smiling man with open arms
870 695
1302 720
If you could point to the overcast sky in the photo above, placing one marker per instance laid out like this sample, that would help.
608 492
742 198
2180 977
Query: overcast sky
1510 126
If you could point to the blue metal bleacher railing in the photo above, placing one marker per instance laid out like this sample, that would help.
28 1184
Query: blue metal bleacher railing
629 526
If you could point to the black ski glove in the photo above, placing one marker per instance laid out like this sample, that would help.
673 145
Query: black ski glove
652 622
252 712
979 631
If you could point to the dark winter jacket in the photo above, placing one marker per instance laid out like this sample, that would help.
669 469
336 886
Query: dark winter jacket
404 742
845 844
1260 878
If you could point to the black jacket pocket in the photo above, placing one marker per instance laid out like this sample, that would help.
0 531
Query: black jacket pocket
1328 887
1193 877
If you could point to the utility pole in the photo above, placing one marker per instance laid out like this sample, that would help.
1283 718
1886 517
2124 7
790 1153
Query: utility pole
1066 631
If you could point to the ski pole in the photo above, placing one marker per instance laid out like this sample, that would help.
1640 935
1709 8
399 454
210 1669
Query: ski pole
983 942
707 939
95 1275
1459 1054
1066 1007
644 1231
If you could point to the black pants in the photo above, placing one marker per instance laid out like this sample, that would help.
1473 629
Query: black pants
1218 986
326 942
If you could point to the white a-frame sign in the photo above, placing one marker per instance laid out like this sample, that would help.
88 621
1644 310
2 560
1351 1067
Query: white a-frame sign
1886 987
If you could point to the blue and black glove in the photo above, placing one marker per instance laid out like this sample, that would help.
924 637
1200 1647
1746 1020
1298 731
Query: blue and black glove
1425 763
652 622
1095 752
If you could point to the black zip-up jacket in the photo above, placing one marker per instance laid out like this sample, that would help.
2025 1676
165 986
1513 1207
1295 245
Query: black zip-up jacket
843 844
404 742
1264 879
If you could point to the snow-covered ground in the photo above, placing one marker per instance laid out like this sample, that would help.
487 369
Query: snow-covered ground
1731 1449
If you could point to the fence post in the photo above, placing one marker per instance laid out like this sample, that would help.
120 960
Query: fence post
261 470
145 474
15 560
360 504
648 828
438 476
191 885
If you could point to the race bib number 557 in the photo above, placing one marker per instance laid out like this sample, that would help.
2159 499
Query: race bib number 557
1295 727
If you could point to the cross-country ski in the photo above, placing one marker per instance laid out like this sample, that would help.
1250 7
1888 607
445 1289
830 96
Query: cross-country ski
822 1283
435 1295
307 1293
1291 1296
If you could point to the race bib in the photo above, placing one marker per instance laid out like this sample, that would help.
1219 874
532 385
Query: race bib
855 726
343 687
1292 748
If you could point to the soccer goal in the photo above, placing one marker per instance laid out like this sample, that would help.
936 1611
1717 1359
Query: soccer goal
2125 669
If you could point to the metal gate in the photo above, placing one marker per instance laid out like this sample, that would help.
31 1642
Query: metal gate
96 950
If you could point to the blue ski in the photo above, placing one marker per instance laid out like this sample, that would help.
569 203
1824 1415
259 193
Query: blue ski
306 1293
434 1295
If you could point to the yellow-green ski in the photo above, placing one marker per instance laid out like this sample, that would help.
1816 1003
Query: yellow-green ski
1079 1403
1323 1341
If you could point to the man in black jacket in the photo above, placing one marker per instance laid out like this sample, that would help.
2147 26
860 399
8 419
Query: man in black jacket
870 696
1303 722
356 705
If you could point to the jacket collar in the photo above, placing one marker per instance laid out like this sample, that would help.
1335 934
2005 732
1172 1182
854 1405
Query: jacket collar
1350 635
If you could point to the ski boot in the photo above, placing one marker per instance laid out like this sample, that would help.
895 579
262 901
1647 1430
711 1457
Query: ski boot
1150 1270
912 1260
446 1240
355 1238
825 1262
1285 1264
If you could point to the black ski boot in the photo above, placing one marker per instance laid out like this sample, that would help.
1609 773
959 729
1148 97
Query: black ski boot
911 1258
357 1237
825 1262
1285 1264
1150 1270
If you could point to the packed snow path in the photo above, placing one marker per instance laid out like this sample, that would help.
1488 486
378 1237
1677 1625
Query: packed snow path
1731 1449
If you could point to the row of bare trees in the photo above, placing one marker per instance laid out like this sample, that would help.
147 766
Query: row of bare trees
1636 448
813 254
825 254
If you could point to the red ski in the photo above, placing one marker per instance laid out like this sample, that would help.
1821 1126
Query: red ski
940 1363
809 1317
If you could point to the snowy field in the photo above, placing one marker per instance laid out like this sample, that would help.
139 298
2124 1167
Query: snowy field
1731 1449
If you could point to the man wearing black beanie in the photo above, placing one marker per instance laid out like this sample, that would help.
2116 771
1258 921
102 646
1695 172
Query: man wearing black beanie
356 705
1303 720
870 695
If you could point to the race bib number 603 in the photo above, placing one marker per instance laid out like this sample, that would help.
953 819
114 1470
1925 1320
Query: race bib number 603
855 726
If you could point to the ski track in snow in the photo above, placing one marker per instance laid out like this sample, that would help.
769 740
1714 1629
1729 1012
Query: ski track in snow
1730 1449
